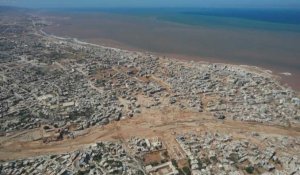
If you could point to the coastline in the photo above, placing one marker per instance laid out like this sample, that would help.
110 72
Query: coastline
286 79
73 106
277 75
275 51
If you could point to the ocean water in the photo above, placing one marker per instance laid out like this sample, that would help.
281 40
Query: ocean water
268 38
265 19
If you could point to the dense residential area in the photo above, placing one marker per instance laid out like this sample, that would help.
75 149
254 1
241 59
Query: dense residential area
70 107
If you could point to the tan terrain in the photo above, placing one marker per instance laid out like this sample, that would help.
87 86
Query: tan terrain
165 123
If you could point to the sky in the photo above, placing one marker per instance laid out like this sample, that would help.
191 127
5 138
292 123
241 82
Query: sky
154 3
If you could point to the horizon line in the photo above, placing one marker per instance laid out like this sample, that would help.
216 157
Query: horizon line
144 7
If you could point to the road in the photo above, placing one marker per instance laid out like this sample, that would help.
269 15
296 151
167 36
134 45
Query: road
147 125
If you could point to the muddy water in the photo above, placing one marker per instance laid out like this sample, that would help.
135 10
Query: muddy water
278 51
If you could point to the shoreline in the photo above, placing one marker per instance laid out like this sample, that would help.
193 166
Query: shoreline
277 52
110 44
71 103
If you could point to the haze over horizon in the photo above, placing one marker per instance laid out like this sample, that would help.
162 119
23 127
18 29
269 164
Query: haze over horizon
152 3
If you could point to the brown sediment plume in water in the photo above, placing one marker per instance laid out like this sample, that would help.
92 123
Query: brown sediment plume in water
278 51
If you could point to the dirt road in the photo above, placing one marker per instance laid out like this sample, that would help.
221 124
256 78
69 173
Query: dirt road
164 123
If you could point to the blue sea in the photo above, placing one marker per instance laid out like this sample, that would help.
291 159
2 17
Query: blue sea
268 38
259 18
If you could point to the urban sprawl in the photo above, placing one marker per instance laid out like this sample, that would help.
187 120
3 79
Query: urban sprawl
155 115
